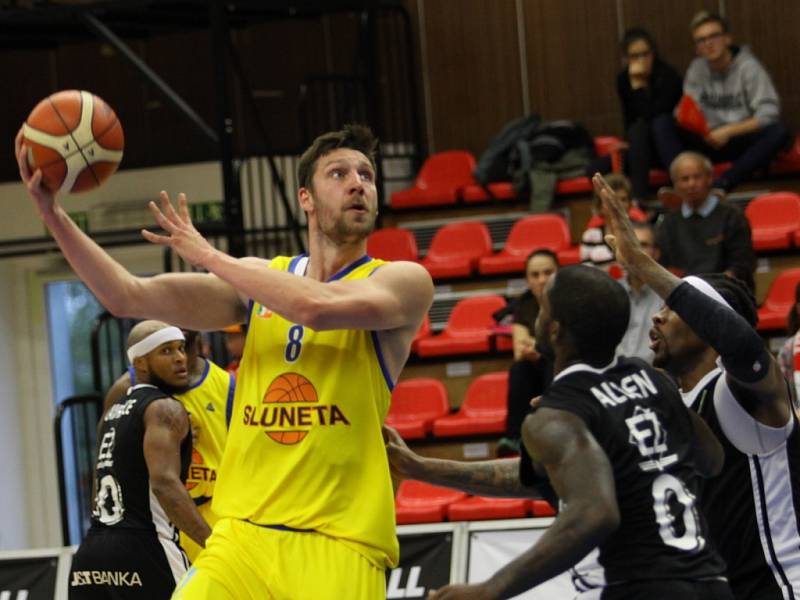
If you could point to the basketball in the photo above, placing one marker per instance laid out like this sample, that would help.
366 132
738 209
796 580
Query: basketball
76 140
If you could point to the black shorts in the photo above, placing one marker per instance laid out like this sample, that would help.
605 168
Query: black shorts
673 589
125 565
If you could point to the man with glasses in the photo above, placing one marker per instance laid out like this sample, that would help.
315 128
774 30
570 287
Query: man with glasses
738 100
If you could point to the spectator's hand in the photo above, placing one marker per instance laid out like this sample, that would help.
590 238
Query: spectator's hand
536 401
44 198
621 239
402 459
461 591
182 236
529 350
718 137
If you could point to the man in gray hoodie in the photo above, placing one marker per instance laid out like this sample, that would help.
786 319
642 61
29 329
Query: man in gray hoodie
737 98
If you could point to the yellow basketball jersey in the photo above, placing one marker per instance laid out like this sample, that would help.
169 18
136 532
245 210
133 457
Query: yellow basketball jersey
209 403
305 448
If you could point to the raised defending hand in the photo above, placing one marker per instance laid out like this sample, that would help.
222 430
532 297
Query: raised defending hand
182 236
401 457
44 198
461 591
622 239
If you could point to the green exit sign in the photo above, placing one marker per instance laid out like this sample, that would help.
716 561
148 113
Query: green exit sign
207 212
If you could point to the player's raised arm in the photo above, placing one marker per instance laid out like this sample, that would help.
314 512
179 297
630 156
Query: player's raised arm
166 426
163 297
581 474
485 478
753 373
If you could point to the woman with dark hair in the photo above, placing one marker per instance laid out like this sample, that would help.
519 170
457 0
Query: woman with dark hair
789 355
647 87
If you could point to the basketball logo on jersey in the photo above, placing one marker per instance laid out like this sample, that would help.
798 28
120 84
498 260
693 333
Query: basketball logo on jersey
650 437
200 478
290 409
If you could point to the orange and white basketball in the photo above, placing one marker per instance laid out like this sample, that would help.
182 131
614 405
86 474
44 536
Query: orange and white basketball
76 140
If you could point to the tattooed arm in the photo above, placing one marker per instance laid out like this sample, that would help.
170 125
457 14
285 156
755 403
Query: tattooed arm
484 478
166 425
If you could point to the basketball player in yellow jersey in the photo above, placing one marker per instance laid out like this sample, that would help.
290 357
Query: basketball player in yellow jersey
209 401
303 489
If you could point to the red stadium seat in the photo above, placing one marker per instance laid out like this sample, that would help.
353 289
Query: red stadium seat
468 330
528 234
439 181
423 332
774 220
779 301
787 162
501 190
477 508
415 405
542 508
392 243
483 411
418 502
456 249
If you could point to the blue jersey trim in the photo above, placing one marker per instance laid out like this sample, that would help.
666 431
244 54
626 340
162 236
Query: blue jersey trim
282 527
200 500
132 374
294 261
229 403
379 355
350 268
250 304
200 381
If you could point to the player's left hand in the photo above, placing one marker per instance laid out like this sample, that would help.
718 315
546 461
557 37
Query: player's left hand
460 591
622 239
182 236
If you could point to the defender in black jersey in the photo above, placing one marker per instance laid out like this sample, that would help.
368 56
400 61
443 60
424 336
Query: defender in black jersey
144 450
705 338
624 456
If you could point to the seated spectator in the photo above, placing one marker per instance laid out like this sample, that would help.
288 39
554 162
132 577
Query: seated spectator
704 235
737 99
647 87
593 249
789 355
531 372
644 302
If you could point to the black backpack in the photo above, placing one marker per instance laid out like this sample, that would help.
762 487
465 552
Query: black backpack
494 165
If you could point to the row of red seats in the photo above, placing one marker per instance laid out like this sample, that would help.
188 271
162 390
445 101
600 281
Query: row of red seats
774 220
780 299
463 248
446 177
421 407
418 502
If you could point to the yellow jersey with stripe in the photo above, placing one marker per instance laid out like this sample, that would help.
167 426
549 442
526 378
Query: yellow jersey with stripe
305 448
209 402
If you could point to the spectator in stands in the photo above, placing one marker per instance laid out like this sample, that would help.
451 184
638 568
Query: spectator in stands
531 372
704 235
593 249
737 99
789 355
647 87
644 301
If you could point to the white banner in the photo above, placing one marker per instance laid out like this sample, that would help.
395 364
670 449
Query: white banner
491 550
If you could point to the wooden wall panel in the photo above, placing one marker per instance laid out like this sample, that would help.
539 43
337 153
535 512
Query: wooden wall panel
473 70
770 28
571 53
668 22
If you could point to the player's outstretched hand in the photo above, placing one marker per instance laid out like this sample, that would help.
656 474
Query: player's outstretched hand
460 591
402 459
181 236
621 239
44 198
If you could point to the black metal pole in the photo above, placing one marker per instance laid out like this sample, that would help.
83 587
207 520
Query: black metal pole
162 86
220 39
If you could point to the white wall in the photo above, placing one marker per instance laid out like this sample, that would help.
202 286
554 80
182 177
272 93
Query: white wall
29 492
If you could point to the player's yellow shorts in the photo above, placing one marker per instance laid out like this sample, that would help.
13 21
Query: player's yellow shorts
243 561
189 546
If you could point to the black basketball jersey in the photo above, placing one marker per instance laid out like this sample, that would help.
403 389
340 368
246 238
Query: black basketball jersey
636 415
124 499
753 505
